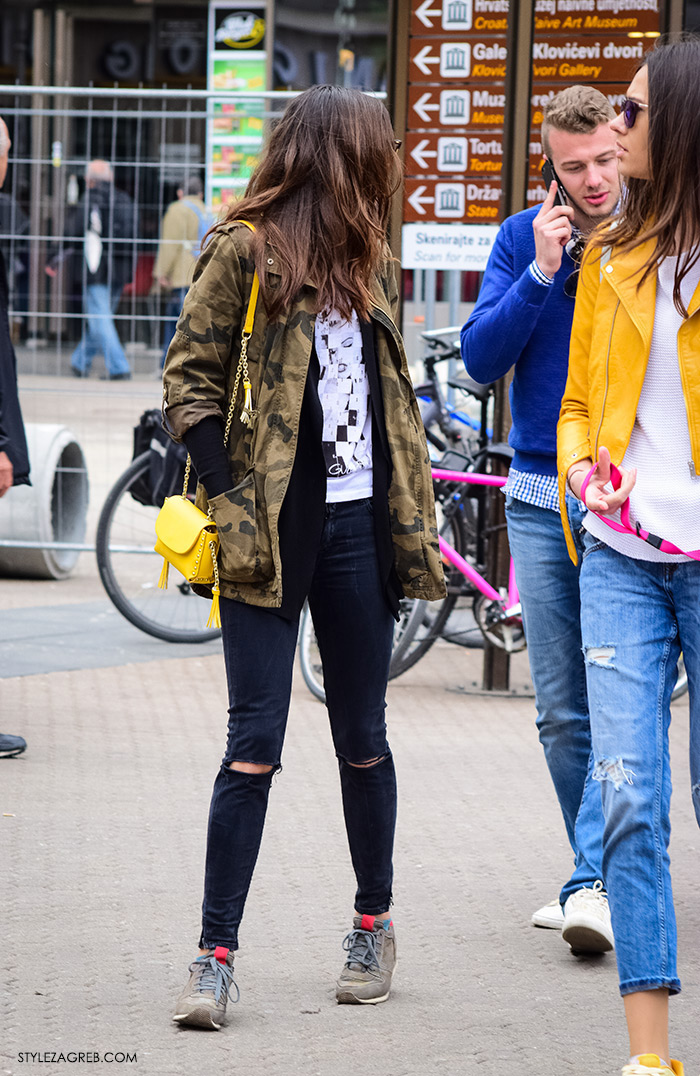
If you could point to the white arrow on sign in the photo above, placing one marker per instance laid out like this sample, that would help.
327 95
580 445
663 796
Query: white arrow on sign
424 109
419 153
417 200
425 13
423 59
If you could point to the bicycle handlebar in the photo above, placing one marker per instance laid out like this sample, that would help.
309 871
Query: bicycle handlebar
474 477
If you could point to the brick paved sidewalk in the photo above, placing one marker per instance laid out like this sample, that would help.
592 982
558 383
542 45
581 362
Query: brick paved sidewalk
102 847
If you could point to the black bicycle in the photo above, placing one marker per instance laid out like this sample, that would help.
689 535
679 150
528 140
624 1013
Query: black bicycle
128 565
460 443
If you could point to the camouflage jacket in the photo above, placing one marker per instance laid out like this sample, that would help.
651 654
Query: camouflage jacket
198 378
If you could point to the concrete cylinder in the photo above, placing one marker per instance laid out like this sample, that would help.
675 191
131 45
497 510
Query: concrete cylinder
52 509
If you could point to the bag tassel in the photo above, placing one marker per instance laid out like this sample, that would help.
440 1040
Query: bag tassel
247 412
163 581
214 620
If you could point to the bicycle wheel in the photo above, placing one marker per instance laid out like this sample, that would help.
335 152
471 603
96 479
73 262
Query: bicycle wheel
422 622
310 656
129 568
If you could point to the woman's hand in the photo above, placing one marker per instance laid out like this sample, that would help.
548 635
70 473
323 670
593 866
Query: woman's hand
597 497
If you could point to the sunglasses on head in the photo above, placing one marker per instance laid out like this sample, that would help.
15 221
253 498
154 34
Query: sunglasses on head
629 111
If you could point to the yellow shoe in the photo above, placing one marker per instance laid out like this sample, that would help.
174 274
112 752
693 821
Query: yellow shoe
650 1065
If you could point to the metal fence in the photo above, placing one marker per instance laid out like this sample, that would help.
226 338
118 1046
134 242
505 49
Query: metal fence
153 141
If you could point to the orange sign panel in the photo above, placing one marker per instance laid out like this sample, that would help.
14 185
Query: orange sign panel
601 16
459 106
470 153
452 200
586 59
458 17
440 59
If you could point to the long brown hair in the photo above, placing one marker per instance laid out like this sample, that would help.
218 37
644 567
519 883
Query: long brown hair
321 197
667 206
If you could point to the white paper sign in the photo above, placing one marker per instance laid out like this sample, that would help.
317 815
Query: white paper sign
447 246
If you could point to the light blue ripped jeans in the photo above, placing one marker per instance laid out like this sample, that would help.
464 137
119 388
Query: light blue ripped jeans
636 616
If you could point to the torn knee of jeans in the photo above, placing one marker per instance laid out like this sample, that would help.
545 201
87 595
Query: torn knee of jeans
695 790
233 764
366 765
613 770
602 656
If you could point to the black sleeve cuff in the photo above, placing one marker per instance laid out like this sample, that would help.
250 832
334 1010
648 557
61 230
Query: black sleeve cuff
205 444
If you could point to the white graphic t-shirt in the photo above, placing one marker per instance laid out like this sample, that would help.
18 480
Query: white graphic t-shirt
343 390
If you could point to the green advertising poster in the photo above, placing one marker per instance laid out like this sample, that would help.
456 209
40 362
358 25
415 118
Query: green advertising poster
237 66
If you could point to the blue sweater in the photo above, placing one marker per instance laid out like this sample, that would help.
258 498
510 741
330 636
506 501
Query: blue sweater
518 322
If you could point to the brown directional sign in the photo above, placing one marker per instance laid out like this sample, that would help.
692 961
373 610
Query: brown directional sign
551 16
460 105
472 153
586 59
450 200
446 60
614 91
457 17
601 18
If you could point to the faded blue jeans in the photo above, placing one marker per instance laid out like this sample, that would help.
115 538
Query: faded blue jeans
549 591
100 335
636 618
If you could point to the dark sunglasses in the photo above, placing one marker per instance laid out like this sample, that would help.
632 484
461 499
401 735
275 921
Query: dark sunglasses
629 110
574 248
397 144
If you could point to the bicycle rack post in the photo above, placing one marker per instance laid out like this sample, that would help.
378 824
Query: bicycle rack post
496 675
496 666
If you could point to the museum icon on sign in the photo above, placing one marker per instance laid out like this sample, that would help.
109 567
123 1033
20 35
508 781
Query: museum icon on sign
457 15
455 59
452 154
455 108
449 200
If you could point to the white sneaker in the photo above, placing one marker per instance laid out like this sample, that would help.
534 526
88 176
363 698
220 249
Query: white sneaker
651 1065
550 916
587 926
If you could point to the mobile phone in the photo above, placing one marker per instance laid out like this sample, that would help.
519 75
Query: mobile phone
548 174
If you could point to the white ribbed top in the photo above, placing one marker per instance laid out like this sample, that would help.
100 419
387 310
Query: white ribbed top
665 499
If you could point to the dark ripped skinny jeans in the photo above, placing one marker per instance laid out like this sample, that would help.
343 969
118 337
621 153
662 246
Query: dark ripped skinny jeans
354 627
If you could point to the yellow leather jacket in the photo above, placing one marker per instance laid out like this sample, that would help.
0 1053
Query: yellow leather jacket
610 342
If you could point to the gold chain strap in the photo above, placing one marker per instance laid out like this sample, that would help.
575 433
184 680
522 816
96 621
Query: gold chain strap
248 412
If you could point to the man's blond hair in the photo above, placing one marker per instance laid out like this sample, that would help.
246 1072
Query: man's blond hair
577 110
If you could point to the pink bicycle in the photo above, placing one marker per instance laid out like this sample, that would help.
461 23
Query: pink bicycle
460 498
462 511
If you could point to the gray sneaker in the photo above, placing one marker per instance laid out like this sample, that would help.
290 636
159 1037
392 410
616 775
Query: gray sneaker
11 745
371 949
203 1001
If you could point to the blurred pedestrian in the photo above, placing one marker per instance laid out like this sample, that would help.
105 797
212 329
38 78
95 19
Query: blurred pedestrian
14 223
338 507
14 457
629 446
184 226
523 316
104 216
